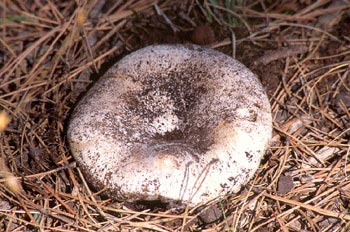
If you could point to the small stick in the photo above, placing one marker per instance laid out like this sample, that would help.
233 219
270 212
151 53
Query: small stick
160 12
233 36
281 53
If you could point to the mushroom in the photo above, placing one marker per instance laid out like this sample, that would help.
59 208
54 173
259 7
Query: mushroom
182 124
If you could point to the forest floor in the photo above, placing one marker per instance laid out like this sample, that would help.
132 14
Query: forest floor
52 51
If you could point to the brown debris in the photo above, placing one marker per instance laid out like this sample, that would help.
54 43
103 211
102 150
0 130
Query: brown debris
4 120
203 35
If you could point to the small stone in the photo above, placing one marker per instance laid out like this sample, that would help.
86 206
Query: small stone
210 215
285 184
342 101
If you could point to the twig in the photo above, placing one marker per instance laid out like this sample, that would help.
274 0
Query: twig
310 207
161 13
270 56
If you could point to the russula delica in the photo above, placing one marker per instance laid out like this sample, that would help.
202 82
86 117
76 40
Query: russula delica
178 123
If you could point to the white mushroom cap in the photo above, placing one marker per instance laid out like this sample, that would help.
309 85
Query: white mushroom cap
177 123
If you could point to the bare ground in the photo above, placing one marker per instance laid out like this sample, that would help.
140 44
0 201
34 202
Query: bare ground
52 51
